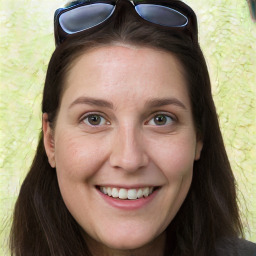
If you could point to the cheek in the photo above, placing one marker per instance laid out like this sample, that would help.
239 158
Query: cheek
175 160
77 157
175 156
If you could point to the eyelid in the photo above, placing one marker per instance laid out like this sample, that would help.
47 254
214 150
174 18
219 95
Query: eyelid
88 114
169 115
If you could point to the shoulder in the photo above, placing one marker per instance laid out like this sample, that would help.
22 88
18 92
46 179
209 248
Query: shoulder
246 248
235 247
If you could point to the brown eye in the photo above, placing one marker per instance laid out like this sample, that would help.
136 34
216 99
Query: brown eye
95 120
161 119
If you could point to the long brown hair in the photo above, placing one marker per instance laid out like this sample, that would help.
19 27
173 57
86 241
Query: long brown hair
42 225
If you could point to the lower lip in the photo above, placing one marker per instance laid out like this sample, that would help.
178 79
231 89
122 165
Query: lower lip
128 204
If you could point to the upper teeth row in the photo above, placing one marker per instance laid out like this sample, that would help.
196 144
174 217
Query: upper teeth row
123 193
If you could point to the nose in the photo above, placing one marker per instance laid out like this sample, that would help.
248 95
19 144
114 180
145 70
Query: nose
128 150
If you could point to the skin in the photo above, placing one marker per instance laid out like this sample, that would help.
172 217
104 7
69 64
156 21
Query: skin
127 148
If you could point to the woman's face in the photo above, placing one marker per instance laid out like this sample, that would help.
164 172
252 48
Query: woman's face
124 144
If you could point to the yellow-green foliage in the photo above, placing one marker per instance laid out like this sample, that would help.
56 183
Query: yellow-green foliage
228 39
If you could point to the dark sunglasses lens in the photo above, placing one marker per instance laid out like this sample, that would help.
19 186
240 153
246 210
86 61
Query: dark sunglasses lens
85 17
161 15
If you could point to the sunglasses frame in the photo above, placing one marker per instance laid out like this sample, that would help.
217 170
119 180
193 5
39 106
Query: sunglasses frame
191 26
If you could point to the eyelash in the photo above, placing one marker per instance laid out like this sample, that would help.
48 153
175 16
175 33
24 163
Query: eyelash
94 115
166 116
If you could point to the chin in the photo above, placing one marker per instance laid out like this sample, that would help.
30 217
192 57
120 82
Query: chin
129 241
126 244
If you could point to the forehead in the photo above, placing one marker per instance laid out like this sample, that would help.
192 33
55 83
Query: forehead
126 70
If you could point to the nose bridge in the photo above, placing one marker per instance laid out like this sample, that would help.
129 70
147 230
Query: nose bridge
128 149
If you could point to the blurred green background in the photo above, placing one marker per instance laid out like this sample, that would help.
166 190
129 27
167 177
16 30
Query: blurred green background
228 39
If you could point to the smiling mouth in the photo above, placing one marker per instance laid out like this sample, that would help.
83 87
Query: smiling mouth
127 194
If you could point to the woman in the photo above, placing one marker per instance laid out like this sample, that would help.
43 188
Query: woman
130 159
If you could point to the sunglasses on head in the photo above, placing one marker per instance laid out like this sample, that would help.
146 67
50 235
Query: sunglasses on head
83 15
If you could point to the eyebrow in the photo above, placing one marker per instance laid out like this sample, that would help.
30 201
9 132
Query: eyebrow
92 102
152 103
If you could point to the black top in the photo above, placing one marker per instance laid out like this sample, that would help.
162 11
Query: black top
236 247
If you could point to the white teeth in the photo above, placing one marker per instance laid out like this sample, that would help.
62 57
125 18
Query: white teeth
115 193
104 190
123 193
109 190
145 192
130 194
140 193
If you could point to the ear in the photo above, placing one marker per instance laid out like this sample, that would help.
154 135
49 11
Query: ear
199 147
48 140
